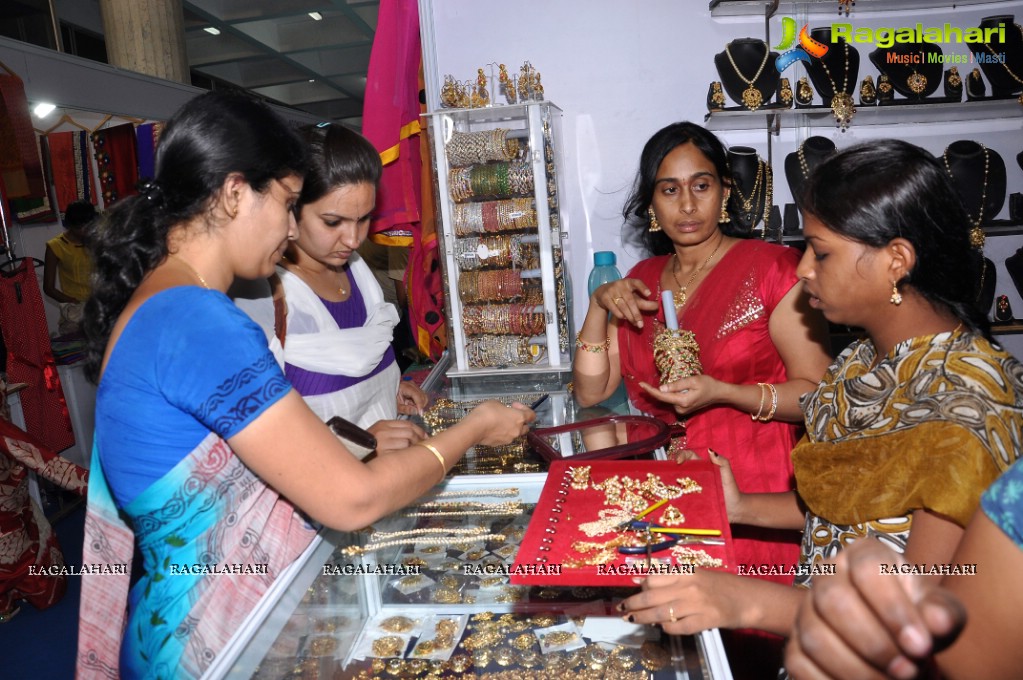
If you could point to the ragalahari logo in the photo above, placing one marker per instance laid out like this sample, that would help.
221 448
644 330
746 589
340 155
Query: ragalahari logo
808 47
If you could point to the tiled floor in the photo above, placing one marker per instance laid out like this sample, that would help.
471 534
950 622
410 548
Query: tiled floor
42 644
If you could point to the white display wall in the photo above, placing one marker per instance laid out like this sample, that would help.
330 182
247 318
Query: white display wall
622 70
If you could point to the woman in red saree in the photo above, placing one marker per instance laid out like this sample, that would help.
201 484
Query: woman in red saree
761 347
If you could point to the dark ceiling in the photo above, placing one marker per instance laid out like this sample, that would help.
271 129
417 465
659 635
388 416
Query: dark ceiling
273 48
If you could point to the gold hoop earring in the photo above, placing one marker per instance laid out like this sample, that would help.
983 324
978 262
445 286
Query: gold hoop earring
724 218
896 298
654 224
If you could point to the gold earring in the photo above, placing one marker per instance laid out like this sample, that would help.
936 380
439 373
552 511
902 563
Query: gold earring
896 298
654 224
725 217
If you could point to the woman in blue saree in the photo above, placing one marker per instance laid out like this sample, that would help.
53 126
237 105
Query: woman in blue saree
205 458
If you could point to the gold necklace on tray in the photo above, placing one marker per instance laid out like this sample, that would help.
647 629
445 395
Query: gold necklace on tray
843 108
682 295
752 98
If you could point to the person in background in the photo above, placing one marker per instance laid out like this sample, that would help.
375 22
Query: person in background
204 454
875 617
67 260
761 347
924 398
337 334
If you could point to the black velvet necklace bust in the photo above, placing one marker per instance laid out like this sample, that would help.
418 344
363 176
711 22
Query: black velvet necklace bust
837 71
1000 75
909 68
750 186
978 174
800 163
753 62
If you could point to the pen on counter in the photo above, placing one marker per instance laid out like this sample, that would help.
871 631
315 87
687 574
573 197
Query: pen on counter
691 532
539 402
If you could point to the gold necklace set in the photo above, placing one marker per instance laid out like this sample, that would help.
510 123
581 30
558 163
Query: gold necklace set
752 98
843 108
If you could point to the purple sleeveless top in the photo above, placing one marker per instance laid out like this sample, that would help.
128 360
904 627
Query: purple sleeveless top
350 313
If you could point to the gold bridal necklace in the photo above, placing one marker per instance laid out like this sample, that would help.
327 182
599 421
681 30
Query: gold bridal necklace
681 296
751 96
842 106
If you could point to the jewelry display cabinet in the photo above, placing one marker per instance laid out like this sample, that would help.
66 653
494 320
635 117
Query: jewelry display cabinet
507 293
968 115
427 592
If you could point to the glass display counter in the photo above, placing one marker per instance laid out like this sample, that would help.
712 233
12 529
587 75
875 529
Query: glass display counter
425 592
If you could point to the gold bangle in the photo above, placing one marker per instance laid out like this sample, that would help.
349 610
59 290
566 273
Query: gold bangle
440 459
594 348
763 398
774 404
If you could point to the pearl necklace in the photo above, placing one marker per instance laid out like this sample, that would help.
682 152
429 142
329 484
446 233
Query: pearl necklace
752 98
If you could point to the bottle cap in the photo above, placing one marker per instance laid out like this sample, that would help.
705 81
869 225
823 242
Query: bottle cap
604 257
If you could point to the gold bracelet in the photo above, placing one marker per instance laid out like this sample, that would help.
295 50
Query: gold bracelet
587 347
440 459
774 404
763 398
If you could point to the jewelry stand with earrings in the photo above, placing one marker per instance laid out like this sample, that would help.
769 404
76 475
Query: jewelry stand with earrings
752 188
801 162
748 74
913 69
975 87
835 75
1005 70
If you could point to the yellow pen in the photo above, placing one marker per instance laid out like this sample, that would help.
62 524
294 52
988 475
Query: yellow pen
692 532
652 508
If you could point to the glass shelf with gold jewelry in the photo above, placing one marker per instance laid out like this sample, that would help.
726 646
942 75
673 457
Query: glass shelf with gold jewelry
507 296
426 592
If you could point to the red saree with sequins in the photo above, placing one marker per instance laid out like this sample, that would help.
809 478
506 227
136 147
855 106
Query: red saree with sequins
729 314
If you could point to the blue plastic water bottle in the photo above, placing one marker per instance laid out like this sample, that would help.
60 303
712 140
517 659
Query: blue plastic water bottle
604 270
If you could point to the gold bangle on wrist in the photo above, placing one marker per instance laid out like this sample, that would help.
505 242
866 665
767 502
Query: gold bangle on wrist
594 348
774 405
440 459
763 398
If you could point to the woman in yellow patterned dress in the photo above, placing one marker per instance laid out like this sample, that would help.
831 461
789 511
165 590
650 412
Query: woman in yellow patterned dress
909 425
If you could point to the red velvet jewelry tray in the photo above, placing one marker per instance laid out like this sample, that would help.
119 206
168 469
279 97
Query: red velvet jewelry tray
546 552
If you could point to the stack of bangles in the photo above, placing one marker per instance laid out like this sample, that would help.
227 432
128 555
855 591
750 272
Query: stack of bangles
594 348
440 459
763 399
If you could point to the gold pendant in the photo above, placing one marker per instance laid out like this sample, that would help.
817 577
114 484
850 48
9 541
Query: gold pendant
917 82
679 297
751 98
843 108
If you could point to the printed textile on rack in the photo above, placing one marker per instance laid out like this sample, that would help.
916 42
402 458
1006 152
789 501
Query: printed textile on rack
30 358
116 161
69 164
26 537
21 169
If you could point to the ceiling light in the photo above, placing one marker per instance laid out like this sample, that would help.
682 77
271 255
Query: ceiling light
212 30
43 109
312 80
316 16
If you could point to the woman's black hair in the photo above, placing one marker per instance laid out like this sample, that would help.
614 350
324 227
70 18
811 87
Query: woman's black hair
338 157
886 189
211 137
637 222
78 214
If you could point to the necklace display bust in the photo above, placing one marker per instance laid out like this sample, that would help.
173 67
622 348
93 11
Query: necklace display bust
753 71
